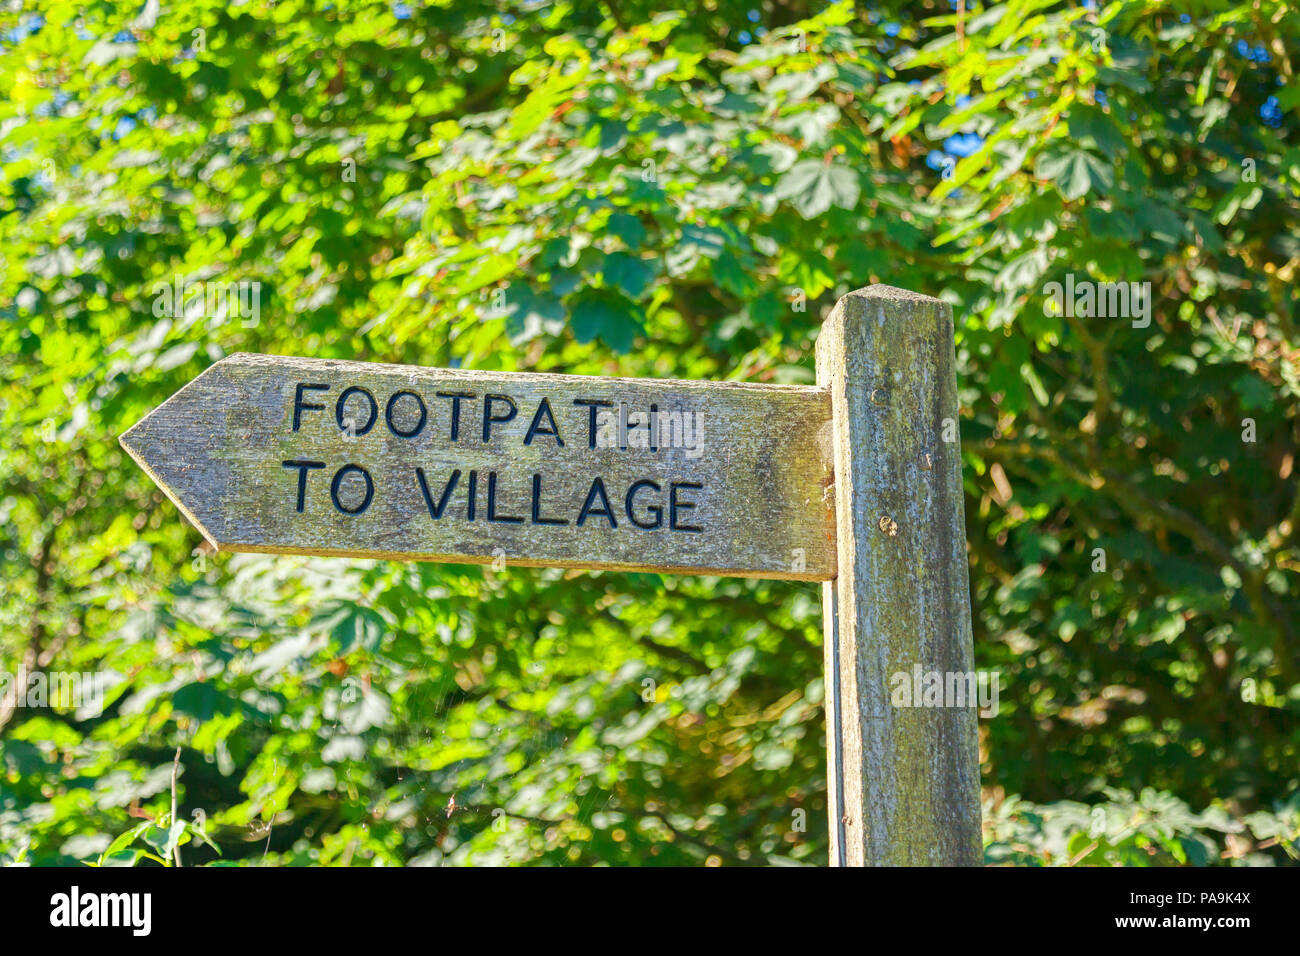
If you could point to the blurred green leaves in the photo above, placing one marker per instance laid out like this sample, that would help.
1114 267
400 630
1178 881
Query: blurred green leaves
814 186
595 190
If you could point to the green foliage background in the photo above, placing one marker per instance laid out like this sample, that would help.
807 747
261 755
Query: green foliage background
613 189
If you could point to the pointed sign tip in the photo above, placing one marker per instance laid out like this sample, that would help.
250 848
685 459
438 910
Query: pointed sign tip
125 440
130 439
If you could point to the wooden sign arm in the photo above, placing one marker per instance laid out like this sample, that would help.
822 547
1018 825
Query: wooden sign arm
902 742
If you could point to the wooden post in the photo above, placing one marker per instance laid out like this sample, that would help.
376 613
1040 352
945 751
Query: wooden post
904 779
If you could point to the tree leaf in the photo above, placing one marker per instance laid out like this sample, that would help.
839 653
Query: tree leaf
813 187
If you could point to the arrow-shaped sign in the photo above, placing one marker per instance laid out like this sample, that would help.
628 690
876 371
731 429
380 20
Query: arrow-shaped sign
308 456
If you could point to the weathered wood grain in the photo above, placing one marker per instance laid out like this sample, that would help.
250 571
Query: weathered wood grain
748 465
904 781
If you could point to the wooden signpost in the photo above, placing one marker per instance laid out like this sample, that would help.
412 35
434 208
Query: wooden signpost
847 482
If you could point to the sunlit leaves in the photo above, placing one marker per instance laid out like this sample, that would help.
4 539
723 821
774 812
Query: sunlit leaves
814 186
1075 172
